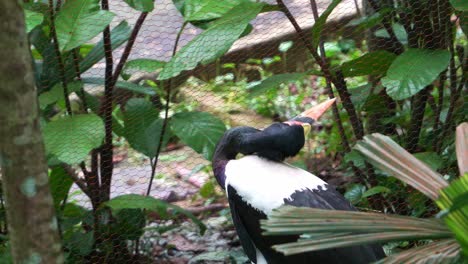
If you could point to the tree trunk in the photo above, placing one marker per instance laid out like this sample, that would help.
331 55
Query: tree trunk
32 225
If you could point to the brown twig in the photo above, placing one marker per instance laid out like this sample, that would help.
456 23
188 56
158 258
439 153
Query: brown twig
76 179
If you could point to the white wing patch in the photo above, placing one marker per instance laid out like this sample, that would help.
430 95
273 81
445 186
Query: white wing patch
265 184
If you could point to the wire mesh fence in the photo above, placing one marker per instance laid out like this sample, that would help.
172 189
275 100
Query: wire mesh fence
135 95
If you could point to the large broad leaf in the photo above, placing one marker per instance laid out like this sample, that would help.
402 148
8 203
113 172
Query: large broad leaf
141 5
323 229
354 193
388 156
122 85
317 28
141 65
274 82
32 19
442 251
199 130
461 5
135 201
373 63
79 21
60 184
199 10
142 126
413 70
213 42
70 139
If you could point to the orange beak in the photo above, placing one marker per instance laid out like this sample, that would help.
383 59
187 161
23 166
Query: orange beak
317 111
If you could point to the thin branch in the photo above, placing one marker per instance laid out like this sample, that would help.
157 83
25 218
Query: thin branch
76 179
61 65
325 67
154 162
107 165
128 48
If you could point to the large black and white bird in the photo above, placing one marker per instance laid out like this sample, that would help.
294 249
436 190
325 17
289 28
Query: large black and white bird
261 181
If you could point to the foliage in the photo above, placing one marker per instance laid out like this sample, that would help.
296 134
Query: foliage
331 229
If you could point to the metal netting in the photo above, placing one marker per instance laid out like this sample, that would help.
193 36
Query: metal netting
223 90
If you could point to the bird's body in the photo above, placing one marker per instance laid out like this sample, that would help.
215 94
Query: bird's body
261 181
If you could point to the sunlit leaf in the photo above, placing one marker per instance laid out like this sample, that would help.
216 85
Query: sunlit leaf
129 86
213 42
461 5
32 19
196 10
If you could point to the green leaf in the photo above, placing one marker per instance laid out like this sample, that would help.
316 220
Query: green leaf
199 10
354 193
457 218
32 19
70 139
122 85
141 65
317 28
274 82
79 242
199 130
209 46
460 5
135 201
372 63
355 157
432 159
119 35
207 190
399 31
60 184
413 70
56 93
129 224
141 5
142 126
375 190
78 21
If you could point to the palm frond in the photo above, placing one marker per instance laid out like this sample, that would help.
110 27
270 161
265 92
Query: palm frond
331 229
388 156
461 144
442 251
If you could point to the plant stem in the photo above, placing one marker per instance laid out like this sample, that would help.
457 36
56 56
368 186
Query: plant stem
417 116
128 47
61 65
106 153
154 162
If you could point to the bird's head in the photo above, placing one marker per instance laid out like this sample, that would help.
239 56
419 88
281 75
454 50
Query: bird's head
276 142
281 140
